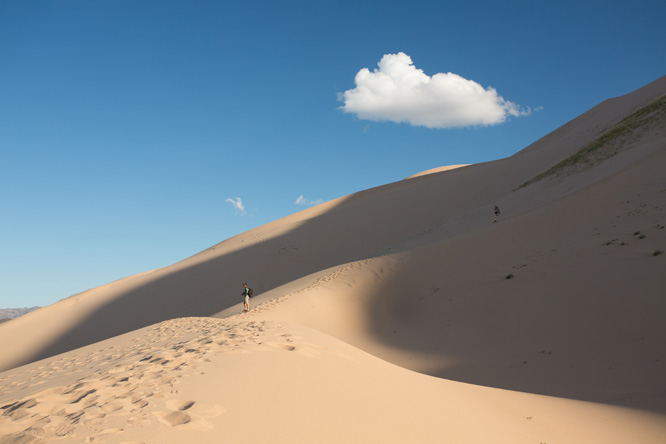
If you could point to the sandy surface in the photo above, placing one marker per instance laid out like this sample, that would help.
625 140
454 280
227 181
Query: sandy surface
244 380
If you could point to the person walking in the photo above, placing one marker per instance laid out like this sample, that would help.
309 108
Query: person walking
497 213
246 293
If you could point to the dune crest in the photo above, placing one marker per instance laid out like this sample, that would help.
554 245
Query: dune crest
438 170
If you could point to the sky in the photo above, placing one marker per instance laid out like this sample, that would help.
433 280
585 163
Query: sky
136 134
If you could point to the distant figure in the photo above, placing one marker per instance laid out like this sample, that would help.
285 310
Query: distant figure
246 292
497 213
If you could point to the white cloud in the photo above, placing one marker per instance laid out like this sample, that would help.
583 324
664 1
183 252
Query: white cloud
303 201
399 92
238 204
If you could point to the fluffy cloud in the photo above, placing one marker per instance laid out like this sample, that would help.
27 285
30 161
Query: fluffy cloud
238 204
399 92
303 201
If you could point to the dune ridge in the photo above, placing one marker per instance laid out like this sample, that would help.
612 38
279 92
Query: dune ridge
397 314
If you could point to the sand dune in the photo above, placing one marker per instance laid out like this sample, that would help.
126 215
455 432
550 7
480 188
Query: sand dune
347 229
544 327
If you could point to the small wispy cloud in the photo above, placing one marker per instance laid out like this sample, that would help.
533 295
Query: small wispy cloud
307 202
238 204
401 93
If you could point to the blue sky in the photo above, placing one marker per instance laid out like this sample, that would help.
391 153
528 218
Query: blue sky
128 130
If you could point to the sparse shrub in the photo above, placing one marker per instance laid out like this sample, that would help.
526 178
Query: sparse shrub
636 233
642 236
609 143
657 252
509 276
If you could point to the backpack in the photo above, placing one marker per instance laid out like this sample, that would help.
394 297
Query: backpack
250 292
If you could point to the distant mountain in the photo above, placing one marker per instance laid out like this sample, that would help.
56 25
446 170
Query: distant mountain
11 313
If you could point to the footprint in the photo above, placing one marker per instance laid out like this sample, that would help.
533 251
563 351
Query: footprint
179 405
112 407
140 403
173 419
79 396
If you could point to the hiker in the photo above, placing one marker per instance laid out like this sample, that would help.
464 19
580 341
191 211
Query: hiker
497 213
246 293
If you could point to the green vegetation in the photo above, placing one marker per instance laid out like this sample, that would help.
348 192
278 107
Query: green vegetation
657 252
509 276
636 233
603 146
